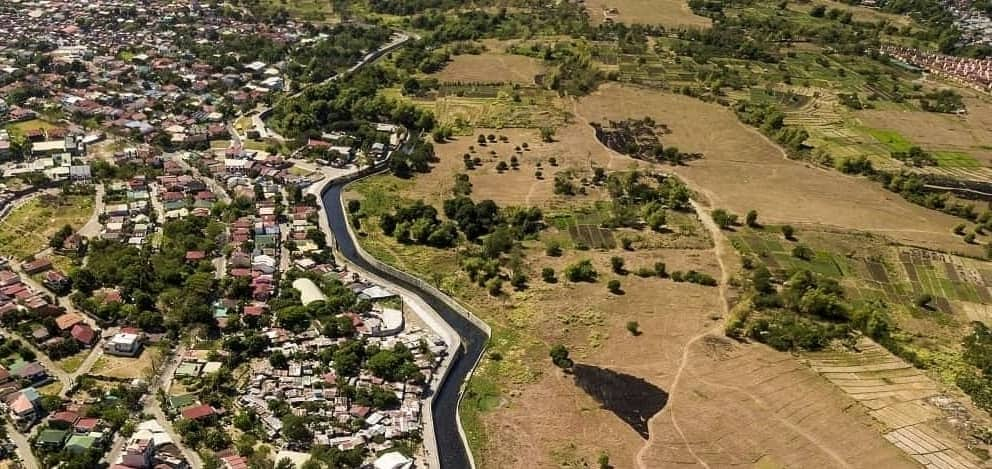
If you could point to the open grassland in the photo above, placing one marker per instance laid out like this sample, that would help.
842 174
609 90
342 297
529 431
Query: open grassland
491 68
520 411
20 128
669 13
465 107
858 13
741 170
28 228
310 10
128 367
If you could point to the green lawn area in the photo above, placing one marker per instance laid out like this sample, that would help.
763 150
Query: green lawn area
19 128
955 159
310 10
890 138
71 364
28 228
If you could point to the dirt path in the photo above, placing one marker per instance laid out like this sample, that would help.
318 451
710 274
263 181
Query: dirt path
720 252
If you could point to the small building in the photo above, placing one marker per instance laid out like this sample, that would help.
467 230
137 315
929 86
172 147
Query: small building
200 412
123 344
36 266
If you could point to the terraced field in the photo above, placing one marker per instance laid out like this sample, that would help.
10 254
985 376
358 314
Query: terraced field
914 413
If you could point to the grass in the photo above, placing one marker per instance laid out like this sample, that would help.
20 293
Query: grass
71 364
51 389
955 159
19 128
890 138
27 230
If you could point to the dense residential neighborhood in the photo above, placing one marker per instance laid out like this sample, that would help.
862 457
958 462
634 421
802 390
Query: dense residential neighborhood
187 307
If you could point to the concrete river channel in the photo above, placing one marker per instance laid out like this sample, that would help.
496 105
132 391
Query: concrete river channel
453 453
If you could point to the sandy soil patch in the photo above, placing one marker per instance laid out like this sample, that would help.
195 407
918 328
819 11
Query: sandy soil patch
741 170
672 13
491 68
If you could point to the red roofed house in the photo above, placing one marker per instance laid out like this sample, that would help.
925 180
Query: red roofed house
198 412
83 334
195 256
67 320
36 266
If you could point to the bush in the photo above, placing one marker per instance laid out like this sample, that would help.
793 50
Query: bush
660 269
494 286
519 281
581 271
627 243
752 218
924 300
959 229
552 248
614 286
548 275
788 231
634 328
616 263
559 356
969 238
724 219
801 251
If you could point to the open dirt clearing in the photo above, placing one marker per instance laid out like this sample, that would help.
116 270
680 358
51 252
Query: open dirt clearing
491 68
28 228
741 170
741 404
670 13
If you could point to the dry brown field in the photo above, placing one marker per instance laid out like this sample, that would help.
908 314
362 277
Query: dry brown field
742 170
491 68
669 13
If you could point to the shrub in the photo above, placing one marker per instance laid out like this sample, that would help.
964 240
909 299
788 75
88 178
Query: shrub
924 300
559 356
548 275
518 281
788 231
616 263
959 229
581 271
751 218
969 238
552 248
494 286
614 286
723 218
660 269
803 252
634 328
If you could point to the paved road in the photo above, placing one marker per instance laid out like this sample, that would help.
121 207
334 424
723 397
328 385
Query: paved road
152 407
23 447
93 227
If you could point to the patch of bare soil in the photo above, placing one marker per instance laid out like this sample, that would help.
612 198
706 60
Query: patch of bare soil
491 68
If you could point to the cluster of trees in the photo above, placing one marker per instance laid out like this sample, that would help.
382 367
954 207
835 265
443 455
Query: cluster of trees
643 198
419 223
915 156
417 160
638 138
978 353
345 104
771 121
945 100
58 239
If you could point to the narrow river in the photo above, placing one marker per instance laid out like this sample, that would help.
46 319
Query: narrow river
453 453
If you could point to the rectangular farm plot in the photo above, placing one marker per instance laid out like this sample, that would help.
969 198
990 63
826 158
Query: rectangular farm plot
955 159
891 139
592 236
